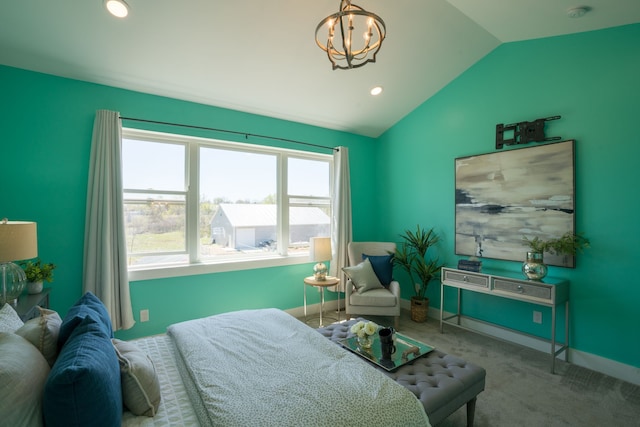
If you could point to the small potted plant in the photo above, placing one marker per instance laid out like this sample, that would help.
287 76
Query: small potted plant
411 256
37 272
567 244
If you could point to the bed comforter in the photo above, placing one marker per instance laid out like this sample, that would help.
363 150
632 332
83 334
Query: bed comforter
264 367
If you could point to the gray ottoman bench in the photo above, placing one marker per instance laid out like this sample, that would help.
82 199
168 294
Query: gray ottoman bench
443 383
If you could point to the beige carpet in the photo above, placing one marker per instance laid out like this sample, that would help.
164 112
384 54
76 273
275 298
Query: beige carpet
520 390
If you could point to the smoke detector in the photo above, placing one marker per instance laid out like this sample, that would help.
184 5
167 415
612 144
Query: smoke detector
577 12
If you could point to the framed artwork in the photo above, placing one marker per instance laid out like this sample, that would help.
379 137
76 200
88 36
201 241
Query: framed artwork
504 196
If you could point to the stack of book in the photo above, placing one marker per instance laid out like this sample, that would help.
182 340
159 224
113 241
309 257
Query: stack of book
470 265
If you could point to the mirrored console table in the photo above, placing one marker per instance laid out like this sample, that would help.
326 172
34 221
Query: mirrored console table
549 293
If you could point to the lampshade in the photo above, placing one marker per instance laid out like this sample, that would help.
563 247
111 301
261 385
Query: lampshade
18 240
320 249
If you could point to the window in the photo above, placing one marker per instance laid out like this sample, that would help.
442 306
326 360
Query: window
209 205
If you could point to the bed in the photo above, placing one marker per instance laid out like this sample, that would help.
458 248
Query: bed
264 367
244 368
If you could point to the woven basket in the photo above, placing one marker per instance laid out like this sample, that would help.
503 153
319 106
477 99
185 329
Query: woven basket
419 309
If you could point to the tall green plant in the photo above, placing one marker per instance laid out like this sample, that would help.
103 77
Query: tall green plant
411 256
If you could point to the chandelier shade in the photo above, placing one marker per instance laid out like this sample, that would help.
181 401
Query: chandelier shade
351 37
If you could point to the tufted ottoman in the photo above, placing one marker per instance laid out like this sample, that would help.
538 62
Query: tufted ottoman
443 383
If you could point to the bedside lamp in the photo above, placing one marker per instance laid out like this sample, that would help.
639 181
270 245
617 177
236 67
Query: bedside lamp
320 251
18 241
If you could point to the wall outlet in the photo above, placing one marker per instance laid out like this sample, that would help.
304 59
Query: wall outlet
537 317
144 315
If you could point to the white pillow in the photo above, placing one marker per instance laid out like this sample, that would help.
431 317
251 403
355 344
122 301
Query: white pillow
42 332
23 372
9 319
140 384
363 277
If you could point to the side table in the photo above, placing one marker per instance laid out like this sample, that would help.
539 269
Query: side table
27 306
322 284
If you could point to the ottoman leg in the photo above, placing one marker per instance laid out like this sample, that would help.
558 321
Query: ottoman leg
471 410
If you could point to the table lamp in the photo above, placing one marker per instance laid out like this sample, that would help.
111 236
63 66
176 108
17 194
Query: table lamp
18 241
320 251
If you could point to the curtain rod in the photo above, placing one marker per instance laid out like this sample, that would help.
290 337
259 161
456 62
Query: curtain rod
246 135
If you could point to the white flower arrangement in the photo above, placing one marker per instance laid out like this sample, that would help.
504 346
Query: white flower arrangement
364 328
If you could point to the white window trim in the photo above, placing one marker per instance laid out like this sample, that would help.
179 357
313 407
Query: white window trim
219 266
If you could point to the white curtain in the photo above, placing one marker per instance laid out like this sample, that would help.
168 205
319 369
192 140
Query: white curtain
341 232
105 257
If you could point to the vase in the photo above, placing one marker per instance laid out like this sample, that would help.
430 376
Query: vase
365 341
34 287
534 267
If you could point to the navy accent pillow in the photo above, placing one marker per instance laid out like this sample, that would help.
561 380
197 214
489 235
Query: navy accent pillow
382 266
87 305
83 387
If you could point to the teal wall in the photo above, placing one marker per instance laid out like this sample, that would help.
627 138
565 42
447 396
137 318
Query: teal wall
589 79
592 81
46 137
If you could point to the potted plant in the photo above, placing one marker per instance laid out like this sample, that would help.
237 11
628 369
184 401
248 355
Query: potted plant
37 272
567 244
411 256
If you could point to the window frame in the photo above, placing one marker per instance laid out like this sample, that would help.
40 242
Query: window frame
195 264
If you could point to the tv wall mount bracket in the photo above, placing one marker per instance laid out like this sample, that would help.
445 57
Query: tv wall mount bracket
523 132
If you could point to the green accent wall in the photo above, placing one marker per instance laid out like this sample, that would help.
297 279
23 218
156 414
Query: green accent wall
47 124
401 179
592 81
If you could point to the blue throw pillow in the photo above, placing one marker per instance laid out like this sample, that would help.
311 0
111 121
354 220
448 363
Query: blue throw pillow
87 305
382 266
83 387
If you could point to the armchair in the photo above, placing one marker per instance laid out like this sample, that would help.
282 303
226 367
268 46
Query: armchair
383 301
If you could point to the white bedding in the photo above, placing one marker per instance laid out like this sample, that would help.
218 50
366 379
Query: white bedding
265 368
175 407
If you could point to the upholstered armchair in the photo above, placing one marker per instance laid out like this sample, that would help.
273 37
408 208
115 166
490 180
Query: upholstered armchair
377 295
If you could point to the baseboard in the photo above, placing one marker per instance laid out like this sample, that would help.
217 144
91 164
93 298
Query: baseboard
314 309
594 362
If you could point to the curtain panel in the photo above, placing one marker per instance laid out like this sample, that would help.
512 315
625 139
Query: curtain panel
105 257
341 233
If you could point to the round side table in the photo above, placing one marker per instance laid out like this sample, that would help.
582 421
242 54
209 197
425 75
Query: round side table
322 284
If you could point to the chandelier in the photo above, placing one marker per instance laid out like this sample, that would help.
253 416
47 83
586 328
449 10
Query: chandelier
344 46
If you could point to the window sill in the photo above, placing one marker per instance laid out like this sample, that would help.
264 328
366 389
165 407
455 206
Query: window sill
179 270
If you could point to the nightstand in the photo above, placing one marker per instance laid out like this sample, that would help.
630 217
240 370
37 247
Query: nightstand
27 306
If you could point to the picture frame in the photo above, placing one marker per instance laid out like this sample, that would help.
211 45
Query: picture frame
502 197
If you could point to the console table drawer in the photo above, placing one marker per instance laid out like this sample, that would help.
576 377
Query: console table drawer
467 279
524 289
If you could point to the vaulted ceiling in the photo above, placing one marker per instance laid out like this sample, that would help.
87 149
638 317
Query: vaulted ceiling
261 57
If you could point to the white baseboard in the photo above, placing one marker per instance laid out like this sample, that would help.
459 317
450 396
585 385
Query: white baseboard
594 362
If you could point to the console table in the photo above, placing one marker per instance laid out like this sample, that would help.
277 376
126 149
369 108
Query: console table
549 293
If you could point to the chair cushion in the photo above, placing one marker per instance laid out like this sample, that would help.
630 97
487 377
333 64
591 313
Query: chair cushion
363 277
376 297
382 266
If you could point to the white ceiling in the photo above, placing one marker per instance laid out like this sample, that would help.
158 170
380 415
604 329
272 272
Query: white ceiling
261 57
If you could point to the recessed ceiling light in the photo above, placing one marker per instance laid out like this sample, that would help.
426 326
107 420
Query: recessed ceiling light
118 8
376 90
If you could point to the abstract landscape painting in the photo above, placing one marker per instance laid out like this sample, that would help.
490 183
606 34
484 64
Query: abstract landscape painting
504 196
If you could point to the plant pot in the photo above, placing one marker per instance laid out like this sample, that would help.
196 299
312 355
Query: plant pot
419 309
534 267
34 287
